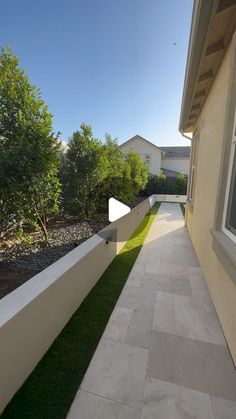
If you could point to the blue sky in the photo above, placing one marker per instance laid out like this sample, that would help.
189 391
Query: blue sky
110 63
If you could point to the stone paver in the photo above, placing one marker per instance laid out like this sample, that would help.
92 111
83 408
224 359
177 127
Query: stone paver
163 354
165 400
117 371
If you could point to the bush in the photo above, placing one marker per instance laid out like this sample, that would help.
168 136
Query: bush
163 185
181 185
93 172
29 155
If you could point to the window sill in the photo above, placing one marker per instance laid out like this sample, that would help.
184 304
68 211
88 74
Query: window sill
225 249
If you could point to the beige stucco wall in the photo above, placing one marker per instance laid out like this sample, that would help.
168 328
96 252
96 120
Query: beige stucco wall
143 147
33 315
200 218
178 165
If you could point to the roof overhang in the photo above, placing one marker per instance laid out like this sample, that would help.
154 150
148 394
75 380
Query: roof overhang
213 24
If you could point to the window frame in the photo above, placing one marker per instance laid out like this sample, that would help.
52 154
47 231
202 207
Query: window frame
145 157
192 168
230 175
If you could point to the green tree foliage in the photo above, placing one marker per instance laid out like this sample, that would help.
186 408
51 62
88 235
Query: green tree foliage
116 174
95 172
152 185
138 174
29 186
85 170
162 182
181 184
159 184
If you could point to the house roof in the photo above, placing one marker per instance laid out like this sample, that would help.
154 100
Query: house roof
213 24
136 137
176 152
171 173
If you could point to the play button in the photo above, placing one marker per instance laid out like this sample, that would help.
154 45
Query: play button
117 209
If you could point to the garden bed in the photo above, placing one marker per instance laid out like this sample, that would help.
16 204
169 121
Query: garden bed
50 389
19 262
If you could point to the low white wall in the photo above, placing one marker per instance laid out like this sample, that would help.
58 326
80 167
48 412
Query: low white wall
33 315
171 198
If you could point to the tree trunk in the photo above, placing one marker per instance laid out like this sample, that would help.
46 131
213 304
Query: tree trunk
44 228
86 209
44 220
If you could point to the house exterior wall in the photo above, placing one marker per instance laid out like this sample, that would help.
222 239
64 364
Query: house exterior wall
143 147
177 165
200 217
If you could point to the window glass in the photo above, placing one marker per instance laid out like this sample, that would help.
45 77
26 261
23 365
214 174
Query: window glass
231 208
147 158
192 167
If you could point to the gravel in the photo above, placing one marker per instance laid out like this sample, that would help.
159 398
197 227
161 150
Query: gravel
19 262
62 238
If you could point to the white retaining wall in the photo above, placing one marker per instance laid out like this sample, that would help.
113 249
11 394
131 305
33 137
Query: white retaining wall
33 315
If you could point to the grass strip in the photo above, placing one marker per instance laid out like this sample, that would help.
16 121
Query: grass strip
182 206
50 389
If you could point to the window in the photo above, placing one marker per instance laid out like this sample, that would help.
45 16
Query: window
147 159
192 167
229 214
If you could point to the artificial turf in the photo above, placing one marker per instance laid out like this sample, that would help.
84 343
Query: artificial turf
50 389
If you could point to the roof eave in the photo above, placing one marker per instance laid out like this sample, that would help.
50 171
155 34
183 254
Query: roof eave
202 15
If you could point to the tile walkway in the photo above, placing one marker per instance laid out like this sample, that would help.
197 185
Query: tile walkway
163 354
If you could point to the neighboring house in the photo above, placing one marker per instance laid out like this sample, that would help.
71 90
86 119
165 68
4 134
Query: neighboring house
176 160
149 152
209 114
172 160
63 145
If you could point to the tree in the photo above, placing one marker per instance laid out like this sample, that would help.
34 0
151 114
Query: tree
29 186
151 186
156 184
114 184
138 174
181 184
86 169
162 184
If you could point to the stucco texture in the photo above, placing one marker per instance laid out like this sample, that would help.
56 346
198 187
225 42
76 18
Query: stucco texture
200 218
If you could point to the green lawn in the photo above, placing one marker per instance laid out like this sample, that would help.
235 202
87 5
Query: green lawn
51 388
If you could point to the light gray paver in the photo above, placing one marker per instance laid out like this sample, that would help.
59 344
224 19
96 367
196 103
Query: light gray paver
118 324
167 283
168 401
136 298
190 363
163 354
187 316
117 371
224 409
88 406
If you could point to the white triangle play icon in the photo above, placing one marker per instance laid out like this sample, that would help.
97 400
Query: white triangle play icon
117 209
